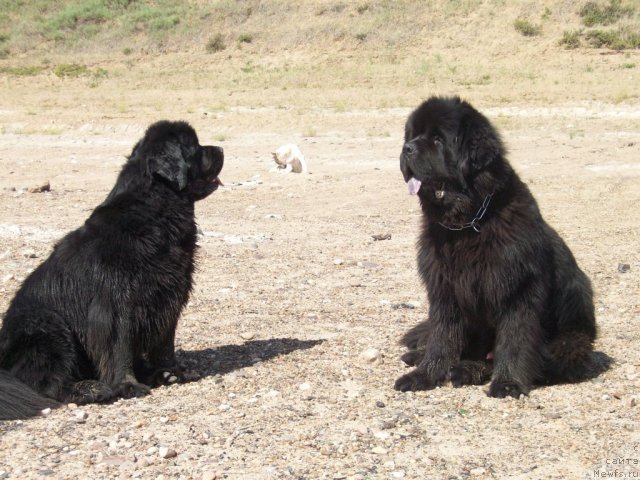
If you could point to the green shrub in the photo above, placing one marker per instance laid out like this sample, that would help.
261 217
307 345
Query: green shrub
593 13
245 38
70 70
215 44
526 28
76 16
22 71
571 39
620 39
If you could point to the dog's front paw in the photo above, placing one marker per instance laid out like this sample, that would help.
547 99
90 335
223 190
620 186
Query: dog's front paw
130 390
414 381
506 389
168 376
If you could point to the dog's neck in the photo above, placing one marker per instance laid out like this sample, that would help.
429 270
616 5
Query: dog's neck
474 223
454 210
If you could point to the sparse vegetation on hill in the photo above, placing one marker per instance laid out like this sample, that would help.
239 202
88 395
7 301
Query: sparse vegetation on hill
115 25
396 51
623 22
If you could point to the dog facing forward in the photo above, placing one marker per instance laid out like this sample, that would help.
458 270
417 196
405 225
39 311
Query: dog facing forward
507 300
96 320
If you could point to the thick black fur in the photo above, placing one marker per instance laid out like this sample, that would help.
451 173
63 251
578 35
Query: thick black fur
509 288
96 320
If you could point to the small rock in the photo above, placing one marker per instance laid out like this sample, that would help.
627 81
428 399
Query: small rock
152 450
46 411
408 305
166 452
631 402
623 267
45 187
326 450
209 476
382 435
97 445
370 355
30 254
552 415
304 386
223 407
381 236
114 460
398 474
80 416
247 335
380 404
379 450
338 261
389 424
476 472
606 397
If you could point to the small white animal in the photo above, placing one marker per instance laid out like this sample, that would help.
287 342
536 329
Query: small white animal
289 158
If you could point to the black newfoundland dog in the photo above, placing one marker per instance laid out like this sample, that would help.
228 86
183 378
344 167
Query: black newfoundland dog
96 321
507 300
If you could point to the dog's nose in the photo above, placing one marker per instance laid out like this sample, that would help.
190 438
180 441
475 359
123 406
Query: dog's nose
409 150
213 151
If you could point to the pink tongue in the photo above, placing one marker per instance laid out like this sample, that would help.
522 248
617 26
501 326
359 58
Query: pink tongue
414 185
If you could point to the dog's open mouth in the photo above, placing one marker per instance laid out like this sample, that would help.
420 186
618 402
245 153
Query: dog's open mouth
413 184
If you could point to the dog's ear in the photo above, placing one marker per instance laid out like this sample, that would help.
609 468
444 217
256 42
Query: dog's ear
479 144
169 165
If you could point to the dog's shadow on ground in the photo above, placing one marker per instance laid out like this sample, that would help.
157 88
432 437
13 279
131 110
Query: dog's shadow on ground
228 358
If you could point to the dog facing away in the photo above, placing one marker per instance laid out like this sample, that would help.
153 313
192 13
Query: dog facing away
289 158
507 300
96 320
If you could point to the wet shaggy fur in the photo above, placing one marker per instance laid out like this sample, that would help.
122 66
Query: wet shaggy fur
96 320
507 301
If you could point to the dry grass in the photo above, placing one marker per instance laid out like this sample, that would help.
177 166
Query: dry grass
326 53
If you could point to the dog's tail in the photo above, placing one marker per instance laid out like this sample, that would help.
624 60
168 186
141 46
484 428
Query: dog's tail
570 358
18 400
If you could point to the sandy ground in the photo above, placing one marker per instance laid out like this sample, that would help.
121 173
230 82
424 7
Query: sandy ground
294 320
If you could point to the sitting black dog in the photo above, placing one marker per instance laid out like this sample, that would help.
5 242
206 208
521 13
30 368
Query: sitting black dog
507 300
96 321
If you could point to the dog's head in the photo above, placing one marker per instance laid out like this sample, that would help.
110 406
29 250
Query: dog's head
447 143
170 153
